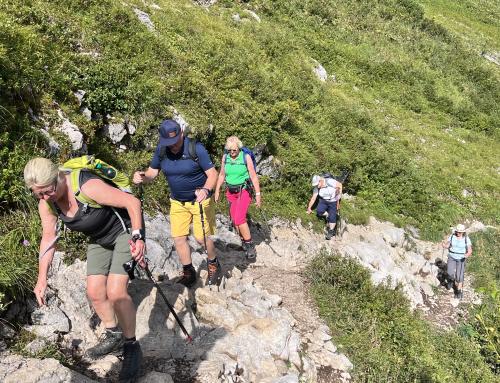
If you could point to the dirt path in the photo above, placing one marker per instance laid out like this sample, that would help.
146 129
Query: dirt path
446 312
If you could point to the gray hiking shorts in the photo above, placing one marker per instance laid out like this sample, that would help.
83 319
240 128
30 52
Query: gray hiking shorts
456 268
104 261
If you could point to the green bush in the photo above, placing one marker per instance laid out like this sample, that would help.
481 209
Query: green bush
383 338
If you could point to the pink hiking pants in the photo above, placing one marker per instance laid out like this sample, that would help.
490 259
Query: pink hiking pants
239 206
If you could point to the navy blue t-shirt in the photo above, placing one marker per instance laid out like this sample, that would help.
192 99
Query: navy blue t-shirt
183 174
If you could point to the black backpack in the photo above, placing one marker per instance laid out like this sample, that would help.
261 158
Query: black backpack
342 178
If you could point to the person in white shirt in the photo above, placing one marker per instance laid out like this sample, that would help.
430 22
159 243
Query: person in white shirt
329 191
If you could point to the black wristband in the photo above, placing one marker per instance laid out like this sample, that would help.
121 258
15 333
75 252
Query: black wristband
209 192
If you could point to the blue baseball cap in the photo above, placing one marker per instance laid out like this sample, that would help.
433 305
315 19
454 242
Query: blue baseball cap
169 132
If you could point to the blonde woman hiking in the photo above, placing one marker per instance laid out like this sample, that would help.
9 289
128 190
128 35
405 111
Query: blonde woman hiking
110 227
238 171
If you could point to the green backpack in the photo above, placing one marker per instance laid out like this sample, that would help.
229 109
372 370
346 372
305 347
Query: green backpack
89 163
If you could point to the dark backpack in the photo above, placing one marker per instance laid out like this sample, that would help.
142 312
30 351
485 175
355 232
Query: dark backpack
245 151
341 178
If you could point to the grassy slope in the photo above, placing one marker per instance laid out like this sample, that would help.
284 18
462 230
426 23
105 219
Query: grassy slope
413 112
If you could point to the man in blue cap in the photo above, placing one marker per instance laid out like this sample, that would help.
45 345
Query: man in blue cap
191 176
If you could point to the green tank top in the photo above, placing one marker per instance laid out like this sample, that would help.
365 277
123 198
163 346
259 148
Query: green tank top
236 170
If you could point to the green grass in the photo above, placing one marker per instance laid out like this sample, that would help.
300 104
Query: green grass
384 340
477 22
484 327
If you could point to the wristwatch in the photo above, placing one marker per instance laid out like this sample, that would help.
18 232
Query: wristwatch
137 234
209 192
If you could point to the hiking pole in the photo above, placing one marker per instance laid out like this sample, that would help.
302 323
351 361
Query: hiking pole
129 268
202 216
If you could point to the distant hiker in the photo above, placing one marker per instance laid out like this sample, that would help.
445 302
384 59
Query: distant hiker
459 248
238 170
329 191
110 227
191 176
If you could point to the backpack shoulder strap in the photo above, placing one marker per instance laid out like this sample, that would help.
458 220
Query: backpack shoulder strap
192 150
79 195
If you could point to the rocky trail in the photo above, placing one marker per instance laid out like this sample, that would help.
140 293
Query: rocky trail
260 325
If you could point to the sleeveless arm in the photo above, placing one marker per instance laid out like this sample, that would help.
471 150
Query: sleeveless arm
49 222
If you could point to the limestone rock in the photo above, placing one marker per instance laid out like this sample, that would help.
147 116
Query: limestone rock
48 321
70 130
156 377
116 131
252 14
493 57
144 18
15 369
320 71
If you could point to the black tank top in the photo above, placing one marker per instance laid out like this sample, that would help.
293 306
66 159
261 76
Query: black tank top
101 225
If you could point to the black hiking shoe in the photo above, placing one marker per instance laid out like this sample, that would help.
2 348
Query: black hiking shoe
330 234
188 278
214 272
459 294
109 341
132 358
250 250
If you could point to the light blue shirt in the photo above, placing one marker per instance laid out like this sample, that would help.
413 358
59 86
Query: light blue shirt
458 246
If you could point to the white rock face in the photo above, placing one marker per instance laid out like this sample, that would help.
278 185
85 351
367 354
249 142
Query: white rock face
252 14
16 369
70 130
320 71
237 329
205 3
144 18
177 117
116 131
493 57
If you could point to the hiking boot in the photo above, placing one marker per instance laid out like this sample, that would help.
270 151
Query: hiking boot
244 245
459 294
110 340
132 358
214 272
330 234
250 251
188 278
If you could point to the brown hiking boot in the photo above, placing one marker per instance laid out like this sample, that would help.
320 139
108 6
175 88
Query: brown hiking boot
214 272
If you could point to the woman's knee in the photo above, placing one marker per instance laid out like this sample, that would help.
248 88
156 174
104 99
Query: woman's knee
96 294
116 290
118 295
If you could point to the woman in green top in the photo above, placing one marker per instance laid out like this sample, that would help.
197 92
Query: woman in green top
238 171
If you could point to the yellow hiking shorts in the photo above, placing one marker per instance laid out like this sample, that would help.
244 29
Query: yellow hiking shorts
183 214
